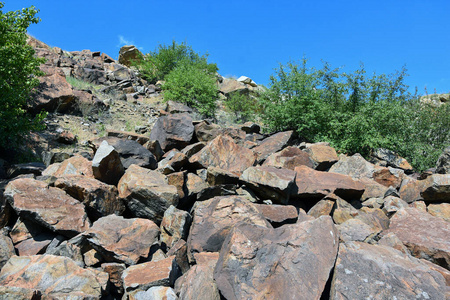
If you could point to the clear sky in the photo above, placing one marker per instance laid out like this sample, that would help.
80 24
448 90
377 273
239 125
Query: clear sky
252 37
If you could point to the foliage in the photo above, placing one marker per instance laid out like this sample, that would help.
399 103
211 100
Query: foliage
192 85
355 112
18 71
244 106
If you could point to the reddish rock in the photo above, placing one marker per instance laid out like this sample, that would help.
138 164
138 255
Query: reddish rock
365 271
216 176
372 189
290 262
195 185
177 179
192 149
354 166
436 188
174 226
441 210
323 156
206 131
174 162
316 184
6 249
321 208
106 165
273 144
173 131
410 190
389 177
66 137
224 153
76 165
289 158
50 207
179 249
278 215
425 236
115 271
214 218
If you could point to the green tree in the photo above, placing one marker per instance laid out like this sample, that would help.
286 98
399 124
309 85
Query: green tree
19 69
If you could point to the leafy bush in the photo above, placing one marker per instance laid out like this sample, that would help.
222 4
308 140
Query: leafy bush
356 113
244 106
18 71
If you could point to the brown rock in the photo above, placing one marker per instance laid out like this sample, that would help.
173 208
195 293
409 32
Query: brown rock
323 156
173 162
66 137
216 176
366 271
391 240
174 226
129 53
106 165
115 271
420 205
436 188
289 158
50 207
76 165
224 153
192 149
273 144
177 179
206 131
389 177
441 210
6 249
372 189
180 252
173 131
290 262
278 215
195 185
321 208
410 190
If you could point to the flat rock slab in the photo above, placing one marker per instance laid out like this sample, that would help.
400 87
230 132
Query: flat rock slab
214 218
49 207
272 144
289 158
365 271
222 152
323 156
173 131
55 277
436 188
354 166
426 236
278 214
122 240
290 262
76 165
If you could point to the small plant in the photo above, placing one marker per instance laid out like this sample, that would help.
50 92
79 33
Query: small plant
244 106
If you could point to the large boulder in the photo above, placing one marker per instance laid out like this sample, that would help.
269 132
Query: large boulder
106 165
355 166
174 226
365 271
127 54
76 165
290 262
173 131
323 156
289 158
443 163
392 159
272 144
50 207
436 188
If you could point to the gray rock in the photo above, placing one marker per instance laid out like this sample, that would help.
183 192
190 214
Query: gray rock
106 165
443 163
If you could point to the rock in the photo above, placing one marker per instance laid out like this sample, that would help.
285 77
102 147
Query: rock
213 220
436 188
206 131
289 158
424 235
411 189
192 149
271 183
278 215
179 249
114 271
291 262
147 193
392 159
177 108
156 293
229 86
373 189
55 277
76 165
143 276
322 156
99 198
155 148
173 162
247 80
420 205
224 153
250 127
66 137
273 144
173 131
355 166
177 179
316 184
391 240
393 204
441 210
127 54
106 165
389 177
50 207
216 176
174 226
355 230
366 271
6 249
122 240
35 168
195 185
68 250
443 163
321 208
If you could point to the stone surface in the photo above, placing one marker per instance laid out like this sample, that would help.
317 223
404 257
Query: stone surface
214 218
6 249
147 193
436 188
355 230
127 54
389 177
156 293
321 208
441 210
114 271
289 158
392 204
216 176
290 262
355 166
53 93
443 163
392 159
366 271
106 165
76 165
173 162
173 131
424 235
322 156
224 153
271 183
50 207
273 144
278 215
174 226
411 189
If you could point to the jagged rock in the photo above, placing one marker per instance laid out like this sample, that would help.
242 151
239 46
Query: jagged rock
50 207
216 176
122 240
6 249
114 271
230 86
411 189
366 271
391 240
291 262
129 53
424 235
271 183
173 131
206 131
278 215
392 159
355 166
174 226
122 135
372 189
179 249
393 204
76 165
289 158
68 250
322 156
441 210
273 144
224 153
29 238
389 177
106 165
247 80
443 163
55 277
156 293
355 230
146 193
177 108
195 185
214 218
192 149
316 184
436 188
35 168
155 148
420 205
177 179
174 161
322 208
99 198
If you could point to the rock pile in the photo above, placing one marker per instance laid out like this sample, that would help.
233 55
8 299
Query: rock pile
196 211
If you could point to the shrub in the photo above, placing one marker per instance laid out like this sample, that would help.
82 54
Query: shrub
18 71
244 106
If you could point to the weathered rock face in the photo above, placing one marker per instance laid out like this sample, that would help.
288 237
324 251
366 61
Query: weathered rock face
392 159
128 53
76 165
411 189
425 236
436 188
50 207
6 249
173 131
290 262
214 218
278 215
55 277
354 166
441 210
224 153
106 165
174 226
289 158
443 163
323 156
146 193
365 271
273 144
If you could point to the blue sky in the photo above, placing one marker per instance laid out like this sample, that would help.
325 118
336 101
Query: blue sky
252 37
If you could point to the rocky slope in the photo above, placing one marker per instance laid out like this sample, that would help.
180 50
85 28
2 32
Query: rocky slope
188 209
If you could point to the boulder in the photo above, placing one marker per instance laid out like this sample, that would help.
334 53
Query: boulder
156 293
389 177
322 208
76 165
278 215
29 238
272 144
35 168
177 108
229 86
290 262
106 165
114 271
47 206
392 159
411 189
392 204
224 153
173 131
146 193
365 271
443 163
213 220
356 230
216 176
441 210
206 131
127 54
174 161
6 249
289 158
436 188
322 156
174 226
354 166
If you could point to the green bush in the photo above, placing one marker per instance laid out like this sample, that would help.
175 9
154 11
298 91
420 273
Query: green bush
18 71
356 113
244 106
